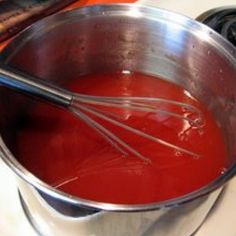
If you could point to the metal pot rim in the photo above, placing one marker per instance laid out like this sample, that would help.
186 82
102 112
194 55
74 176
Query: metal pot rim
112 9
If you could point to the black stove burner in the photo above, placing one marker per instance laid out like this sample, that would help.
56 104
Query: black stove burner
222 20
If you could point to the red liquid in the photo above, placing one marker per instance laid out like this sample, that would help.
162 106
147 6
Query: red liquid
63 151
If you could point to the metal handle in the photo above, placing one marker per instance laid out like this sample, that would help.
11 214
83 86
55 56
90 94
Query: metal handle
29 85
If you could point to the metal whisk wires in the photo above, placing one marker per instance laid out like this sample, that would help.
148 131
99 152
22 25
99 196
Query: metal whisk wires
85 107
82 105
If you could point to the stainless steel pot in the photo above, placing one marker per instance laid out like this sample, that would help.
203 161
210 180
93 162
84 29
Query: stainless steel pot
118 37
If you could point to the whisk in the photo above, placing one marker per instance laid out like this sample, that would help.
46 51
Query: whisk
85 107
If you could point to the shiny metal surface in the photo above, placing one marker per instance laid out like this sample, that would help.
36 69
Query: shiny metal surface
29 85
118 37
176 221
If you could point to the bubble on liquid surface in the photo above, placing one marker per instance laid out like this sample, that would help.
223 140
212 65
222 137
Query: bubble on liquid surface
126 72
196 121
200 132
178 153
223 170
184 134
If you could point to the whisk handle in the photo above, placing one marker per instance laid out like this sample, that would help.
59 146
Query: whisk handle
30 85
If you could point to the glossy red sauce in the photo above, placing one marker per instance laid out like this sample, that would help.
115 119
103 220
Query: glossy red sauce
63 151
